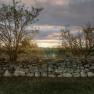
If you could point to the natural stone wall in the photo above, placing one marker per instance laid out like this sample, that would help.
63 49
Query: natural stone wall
64 68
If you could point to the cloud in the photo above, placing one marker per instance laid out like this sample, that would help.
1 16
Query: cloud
58 12
74 12
47 31
52 32
46 2
54 35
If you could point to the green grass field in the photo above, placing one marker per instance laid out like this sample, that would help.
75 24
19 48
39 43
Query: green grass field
26 85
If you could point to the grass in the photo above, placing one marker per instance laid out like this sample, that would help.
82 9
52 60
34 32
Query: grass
27 85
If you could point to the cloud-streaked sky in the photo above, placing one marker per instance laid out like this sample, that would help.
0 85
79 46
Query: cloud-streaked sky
62 12
58 13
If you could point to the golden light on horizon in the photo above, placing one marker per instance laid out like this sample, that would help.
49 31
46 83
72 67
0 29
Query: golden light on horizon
48 43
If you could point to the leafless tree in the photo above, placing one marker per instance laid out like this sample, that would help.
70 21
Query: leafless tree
88 31
80 45
14 20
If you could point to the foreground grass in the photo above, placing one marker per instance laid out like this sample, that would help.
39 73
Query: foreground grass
26 85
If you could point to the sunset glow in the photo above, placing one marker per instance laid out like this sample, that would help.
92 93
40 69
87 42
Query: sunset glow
48 43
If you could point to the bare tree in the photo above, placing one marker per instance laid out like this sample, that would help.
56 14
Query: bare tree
14 20
83 40
80 45
88 31
67 41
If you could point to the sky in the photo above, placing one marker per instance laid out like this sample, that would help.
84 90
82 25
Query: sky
63 12
59 13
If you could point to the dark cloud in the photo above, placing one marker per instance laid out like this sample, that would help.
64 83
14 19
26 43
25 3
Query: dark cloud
44 34
58 12
77 12
61 12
